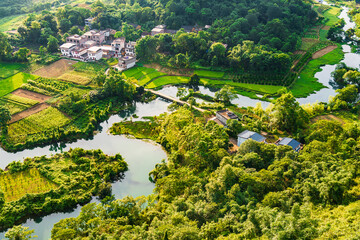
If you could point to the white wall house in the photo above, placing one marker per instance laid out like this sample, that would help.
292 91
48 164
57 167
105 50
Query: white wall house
95 53
67 48
126 62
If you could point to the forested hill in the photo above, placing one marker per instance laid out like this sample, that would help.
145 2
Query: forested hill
273 22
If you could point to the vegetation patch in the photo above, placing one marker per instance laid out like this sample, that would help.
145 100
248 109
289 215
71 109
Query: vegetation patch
332 15
17 185
81 78
138 129
14 82
147 78
46 119
132 71
9 69
11 22
94 67
43 185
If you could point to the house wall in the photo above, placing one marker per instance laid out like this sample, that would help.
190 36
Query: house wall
221 118
96 56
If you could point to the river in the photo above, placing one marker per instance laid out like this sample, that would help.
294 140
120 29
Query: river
142 156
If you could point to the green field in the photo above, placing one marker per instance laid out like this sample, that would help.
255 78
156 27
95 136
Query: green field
16 103
267 89
82 78
166 80
210 74
323 34
17 185
132 71
38 122
332 15
9 69
147 78
89 67
14 82
307 83
11 22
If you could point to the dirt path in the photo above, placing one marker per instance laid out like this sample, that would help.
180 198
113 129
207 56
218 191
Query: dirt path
31 95
55 69
35 109
323 51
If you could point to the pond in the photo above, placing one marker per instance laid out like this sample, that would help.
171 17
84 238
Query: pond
141 157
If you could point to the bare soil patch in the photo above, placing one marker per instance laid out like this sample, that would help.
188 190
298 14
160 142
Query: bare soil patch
35 109
170 71
326 28
31 95
329 117
323 51
55 69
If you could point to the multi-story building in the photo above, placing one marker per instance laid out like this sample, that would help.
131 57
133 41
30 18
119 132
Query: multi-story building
67 48
97 36
126 62
122 48
95 53
76 39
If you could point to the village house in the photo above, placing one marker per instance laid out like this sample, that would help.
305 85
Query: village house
76 39
224 115
246 135
297 146
97 36
158 29
89 22
126 62
95 53
122 48
67 48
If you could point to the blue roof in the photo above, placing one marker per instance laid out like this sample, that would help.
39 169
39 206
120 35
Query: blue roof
290 142
251 135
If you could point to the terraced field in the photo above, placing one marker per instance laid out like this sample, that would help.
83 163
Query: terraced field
16 103
14 82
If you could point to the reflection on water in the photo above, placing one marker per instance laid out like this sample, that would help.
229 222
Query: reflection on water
141 157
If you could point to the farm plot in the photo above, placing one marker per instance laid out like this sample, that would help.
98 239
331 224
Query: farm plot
38 122
81 78
210 74
30 95
14 82
132 71
46 86
161 81
17 185
16 103
9 69
56 69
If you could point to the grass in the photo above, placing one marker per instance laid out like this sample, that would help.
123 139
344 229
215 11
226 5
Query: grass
38 122
147 78
166 80
267 89
132 71
14 82
211 74
306 44
89 67
143 72
13 107
17 185
11 22
9 69
332 15
138 129
323 34
307 83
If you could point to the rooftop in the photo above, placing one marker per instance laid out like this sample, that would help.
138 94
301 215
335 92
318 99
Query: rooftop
227 114
251 135
289 142
68 45
94 49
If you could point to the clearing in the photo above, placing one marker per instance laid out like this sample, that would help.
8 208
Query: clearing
28 112
17 185
32 95
56 69
323 51
329 117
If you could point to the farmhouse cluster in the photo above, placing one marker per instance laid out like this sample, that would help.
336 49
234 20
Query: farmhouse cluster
224 115
94 45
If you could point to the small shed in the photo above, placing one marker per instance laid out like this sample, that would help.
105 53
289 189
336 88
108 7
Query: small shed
224 115
297 146
245 135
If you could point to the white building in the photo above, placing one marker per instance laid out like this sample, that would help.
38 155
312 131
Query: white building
95 53
67 48
126 62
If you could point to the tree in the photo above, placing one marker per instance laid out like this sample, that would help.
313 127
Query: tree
182 92
2 199
286 114
182 60
5 117
42 51
21 54
226 94
52 45
146 48
194 80
5 47
19 233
